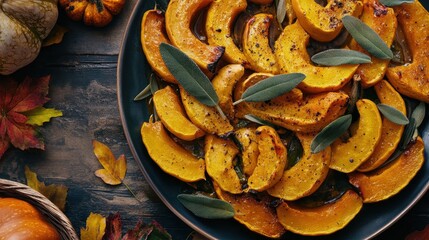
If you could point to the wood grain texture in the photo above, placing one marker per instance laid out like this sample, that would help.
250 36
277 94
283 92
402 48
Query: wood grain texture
83 69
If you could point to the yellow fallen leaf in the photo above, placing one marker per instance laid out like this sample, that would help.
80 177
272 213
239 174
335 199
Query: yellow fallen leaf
114 170
55 36
40 115
95 227
56 193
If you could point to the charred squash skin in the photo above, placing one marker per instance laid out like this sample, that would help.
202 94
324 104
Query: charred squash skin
250 152
152 35
178 18
324 23
292 56
412 80
169 156
385 182
383 21
219 23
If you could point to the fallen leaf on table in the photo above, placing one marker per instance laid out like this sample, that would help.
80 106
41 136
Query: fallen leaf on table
114 170
55 36
16 99
40 115
55 193
95 227
419 235
113 227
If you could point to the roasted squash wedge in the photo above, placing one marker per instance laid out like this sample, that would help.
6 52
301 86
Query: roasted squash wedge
219 156
257 215
170 156
178 18
219 23
250 151
391 133
292 56
383 21
387 181
256 44
324 23
152 35
205 117
348 156
293 110
270 165
224 83
412 80
170 110
322 220
306 176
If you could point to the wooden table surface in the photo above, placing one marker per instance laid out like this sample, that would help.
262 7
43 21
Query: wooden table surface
83 69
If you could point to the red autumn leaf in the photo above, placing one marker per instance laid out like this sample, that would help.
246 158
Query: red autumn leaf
419 235
113 227
16 98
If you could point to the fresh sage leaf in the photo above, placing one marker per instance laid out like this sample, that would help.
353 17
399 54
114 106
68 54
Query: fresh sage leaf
419 113
393 114
258 120
143 94
408 134
206 207
190 76
336 57
330 133
392 3
367 38
281 11
271 87
294 152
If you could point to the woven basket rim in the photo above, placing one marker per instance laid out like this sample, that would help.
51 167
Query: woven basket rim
53 214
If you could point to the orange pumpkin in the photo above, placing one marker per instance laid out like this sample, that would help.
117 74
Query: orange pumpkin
20 220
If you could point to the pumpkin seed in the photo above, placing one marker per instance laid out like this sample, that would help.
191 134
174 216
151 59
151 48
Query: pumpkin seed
393 114
190 76
271 87
336 57
330 133
391 3
206 207
367 38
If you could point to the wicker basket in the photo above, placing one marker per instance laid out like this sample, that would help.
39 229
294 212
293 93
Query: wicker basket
53 214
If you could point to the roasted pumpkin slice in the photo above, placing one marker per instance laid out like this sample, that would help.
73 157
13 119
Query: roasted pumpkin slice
170 156
257 215
292 56
348 156
205 117
383 21
261 1
224 83
178 19
170 110
221 16
324 23
412 79
306 176
387 181
219 155
250 152
321 220
152 35
391 133
293 110
271 164
256 44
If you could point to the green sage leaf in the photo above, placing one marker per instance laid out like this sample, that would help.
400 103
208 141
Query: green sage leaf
367 38
281 11
206 207
336 57
258 120
419 113
271 87
143 94
189 75
393 114
392 3
330 133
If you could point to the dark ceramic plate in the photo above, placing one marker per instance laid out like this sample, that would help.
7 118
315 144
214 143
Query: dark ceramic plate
133 75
